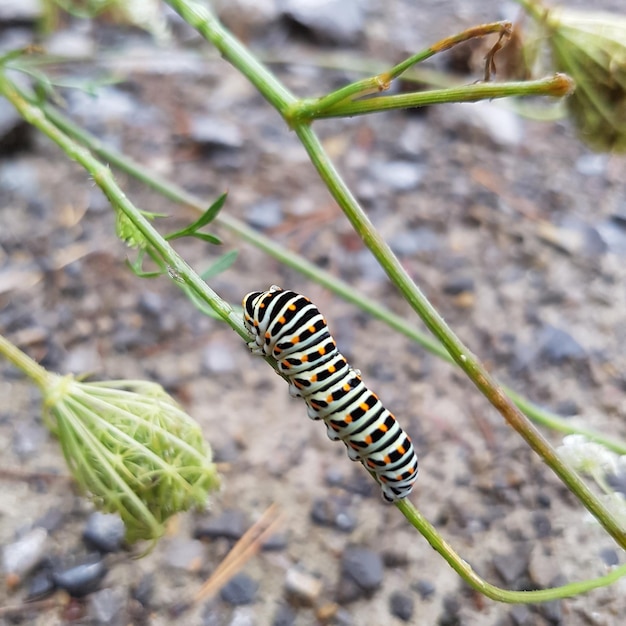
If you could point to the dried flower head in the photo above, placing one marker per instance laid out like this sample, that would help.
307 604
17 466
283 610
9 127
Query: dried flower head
590 458
132 449
591 48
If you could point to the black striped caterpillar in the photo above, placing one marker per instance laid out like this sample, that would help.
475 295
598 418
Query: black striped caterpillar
290 328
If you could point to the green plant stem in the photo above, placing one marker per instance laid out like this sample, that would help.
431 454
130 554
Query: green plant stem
459 352
466 572
557 85
23 362
102 176
309 109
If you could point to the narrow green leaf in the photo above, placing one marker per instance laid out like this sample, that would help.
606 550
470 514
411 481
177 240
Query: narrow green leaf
208 237
208 216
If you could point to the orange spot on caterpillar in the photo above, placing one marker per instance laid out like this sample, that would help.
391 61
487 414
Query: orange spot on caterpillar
401 449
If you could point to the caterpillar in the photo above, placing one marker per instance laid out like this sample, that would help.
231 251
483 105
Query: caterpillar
289 327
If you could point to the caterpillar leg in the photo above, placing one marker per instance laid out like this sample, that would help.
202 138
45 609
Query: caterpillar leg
294 391
353 455
332 435
312 414
255 348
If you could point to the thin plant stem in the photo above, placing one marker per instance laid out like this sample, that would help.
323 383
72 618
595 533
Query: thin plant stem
24 363
304 109
558 85
466 572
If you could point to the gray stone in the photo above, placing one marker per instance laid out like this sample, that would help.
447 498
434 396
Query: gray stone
21 556
80 579
363 566
399 175
214 133
240 589
302 586
401 605
105 532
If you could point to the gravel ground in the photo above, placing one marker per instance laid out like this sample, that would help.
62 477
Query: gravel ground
515 231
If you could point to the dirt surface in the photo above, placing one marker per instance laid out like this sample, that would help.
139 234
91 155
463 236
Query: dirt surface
514 230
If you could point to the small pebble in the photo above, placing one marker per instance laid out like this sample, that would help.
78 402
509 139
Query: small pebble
52 519
231 524
107 605
425 588
265 214
241 589
284 616
21 556
551 611
82 578
40 585
592 164
333 512
522 615
557 346
393 558
275 542
363 566
542 525
104 532
450 615
609 556
214 133
185 554
242 616
302 586
144 590
510 566
401 605
458 285
399 175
